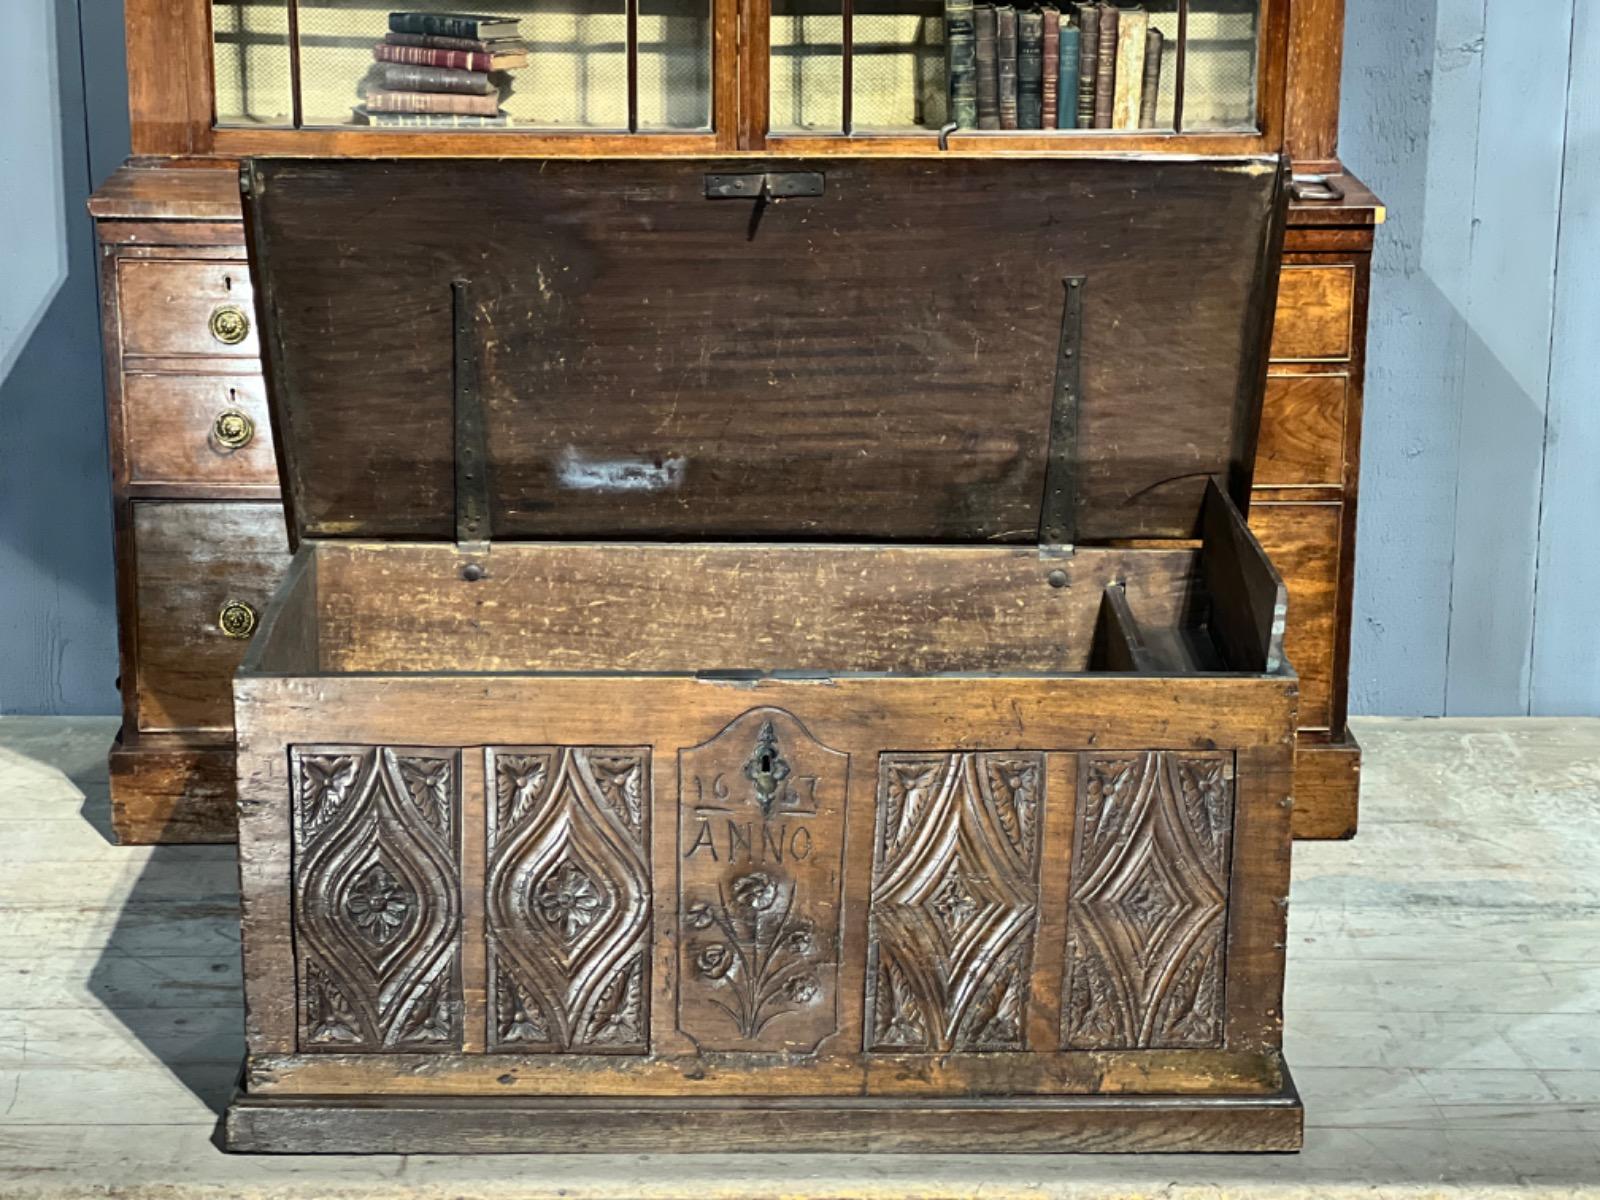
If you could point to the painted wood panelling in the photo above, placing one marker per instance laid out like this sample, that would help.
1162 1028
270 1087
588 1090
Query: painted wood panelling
1478 488
58 650
1566 635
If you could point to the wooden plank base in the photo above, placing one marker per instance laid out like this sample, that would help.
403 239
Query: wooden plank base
1327 789
168 792
629 1125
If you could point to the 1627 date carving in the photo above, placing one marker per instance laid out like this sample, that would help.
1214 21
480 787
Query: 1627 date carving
761 842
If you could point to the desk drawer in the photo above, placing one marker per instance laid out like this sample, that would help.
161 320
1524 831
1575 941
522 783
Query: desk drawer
193 560
204 429
1316 308
187 307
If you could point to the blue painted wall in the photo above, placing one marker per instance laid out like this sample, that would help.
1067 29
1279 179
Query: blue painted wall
66 126
1478 547
1478 574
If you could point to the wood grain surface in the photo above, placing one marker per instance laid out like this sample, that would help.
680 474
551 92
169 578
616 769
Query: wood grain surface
657 364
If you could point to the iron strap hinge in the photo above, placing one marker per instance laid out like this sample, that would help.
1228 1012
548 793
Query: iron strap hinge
1058 518
471 451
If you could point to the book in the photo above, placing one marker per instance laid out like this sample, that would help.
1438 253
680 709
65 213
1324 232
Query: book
1051 91
1005 57
961 62
494 46
433 102
984 27
1151 92
459 25
1088 57
396 120
458 60
1030 69
1105 66
398 77
1067 110
1132 25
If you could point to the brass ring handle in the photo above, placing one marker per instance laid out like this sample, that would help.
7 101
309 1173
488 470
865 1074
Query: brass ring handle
233 429
230 324
237 619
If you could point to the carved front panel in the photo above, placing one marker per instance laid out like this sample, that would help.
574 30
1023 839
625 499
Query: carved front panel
760 887
1147 917
377 898
955 899
567 899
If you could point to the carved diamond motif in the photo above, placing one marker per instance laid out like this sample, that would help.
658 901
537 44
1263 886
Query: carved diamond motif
1148 910
954 901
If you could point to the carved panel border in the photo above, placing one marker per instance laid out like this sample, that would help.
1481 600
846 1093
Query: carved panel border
568 899
1147 915
955 901
377 897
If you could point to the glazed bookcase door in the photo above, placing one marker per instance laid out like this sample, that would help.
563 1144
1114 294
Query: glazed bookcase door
630 66
882 67
678 76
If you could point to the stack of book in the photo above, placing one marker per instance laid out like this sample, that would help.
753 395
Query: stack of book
442 69
1088 66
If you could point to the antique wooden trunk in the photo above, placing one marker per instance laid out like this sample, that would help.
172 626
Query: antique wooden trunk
772 659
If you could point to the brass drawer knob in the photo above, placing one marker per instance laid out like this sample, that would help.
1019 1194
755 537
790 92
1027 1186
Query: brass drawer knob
230 325
233 429
237 619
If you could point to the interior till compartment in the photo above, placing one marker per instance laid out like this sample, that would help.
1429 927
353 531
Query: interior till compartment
731 608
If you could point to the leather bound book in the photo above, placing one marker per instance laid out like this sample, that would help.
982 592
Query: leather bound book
394 120
400 77
984 25
961 63
1030 69
1132 26
1088 57
433 102
1105 67
1150 95
497 47
1067 105
1051 91
1005 53
454 25
437 56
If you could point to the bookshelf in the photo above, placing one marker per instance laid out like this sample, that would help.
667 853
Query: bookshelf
233 77
200 527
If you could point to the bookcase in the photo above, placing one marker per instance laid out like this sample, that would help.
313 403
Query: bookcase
200 530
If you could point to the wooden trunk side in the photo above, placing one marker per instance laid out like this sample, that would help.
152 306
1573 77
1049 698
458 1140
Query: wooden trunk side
711 607
1096 1124
930 719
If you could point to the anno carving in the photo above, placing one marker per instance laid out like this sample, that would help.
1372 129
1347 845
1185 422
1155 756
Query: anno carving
567 899
377 903
955 901
760 886
1147 916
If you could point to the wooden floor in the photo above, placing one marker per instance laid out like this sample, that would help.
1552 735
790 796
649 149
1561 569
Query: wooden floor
1443 1008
